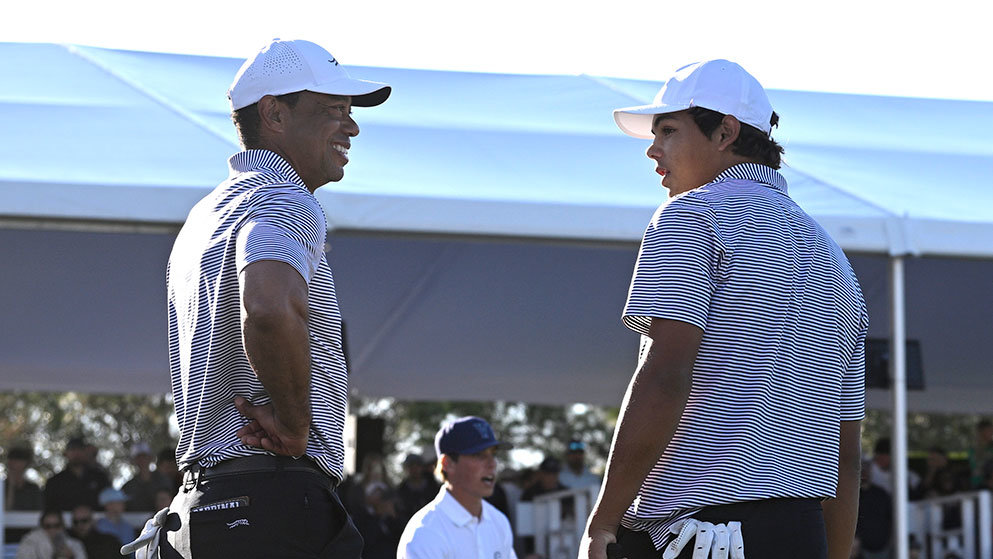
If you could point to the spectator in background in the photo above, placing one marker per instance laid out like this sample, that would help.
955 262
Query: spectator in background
19 493
378 523
50 541
882 475
97 544
113 523
547 480
417 488
576 475
165 465
141 488
875 520
981 452
79 483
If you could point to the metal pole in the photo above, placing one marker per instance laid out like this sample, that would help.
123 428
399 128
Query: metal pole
898 377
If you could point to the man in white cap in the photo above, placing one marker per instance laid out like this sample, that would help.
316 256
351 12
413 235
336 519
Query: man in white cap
459 523
258 372
739 432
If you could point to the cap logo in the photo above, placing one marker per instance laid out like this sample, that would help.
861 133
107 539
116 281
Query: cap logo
333 61
482 429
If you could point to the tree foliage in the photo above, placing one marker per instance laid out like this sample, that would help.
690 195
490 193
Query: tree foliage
44 422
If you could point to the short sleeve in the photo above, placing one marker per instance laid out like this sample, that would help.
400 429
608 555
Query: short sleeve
853 383
679 266
287 225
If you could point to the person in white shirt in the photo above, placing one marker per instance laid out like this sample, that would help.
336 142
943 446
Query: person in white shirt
459 523
576 475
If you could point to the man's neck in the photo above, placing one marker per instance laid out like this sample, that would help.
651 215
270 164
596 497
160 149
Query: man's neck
470 503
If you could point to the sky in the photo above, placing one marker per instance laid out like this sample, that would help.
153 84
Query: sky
877 47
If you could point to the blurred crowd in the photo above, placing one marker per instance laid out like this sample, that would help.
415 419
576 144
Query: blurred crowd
83 492
940 477
83 496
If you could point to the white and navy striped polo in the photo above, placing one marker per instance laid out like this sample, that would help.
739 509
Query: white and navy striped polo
781 361
262 211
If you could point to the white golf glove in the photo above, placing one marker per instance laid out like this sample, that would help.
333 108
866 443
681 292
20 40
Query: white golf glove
146 545
713 541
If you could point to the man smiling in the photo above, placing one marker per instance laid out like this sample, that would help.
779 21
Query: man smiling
459 523
258 372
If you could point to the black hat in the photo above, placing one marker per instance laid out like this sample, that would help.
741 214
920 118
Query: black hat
550 465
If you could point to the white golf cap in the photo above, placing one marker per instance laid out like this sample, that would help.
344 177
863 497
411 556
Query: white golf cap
718 85
289 66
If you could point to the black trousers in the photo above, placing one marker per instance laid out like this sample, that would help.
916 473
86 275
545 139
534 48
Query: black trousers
770 529
285 514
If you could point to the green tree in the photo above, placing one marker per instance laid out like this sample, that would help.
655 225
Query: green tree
44 422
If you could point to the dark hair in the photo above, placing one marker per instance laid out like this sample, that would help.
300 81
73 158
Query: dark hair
249 124
752 142
440 471
51 512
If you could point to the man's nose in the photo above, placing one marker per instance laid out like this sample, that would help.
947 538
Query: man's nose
351 127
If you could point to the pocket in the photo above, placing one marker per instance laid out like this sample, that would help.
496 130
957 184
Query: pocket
345 540
223 533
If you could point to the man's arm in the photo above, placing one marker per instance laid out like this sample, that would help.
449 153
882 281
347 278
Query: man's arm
649 416
276 337
841 513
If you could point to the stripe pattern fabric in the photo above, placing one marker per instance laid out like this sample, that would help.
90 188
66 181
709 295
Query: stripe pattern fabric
782 358
262 211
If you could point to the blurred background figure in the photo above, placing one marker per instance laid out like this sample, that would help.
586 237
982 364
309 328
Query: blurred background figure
20 493
113 523
378 522
165 465
576 474
881 472
80 483
547 479
141 488
981 452
875 520
97 544
50 541
417 488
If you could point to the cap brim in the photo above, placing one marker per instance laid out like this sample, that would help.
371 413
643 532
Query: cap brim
637 121
364 93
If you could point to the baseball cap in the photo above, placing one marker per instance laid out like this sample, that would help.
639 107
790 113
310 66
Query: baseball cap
466 435
111 495
296 65
576 446
719 85
140 448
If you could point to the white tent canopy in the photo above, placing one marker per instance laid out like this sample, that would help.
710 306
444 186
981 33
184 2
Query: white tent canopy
483 236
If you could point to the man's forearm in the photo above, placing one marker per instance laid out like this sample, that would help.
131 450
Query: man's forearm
841 513
649 416
278 348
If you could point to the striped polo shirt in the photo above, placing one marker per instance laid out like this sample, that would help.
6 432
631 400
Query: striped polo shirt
262 211
781 361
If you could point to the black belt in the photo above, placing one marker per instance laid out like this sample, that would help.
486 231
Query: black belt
259 463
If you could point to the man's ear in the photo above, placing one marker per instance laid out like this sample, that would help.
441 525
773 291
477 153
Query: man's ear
272 114
727 132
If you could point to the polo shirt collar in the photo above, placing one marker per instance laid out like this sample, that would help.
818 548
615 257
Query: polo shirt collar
454 510
754 172
253 160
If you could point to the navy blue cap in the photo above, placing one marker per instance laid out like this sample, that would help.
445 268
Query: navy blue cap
466 435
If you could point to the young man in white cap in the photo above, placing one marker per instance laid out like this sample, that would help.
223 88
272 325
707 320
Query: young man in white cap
258 371
739 433
459 523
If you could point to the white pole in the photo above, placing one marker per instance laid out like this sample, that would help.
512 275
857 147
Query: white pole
898 378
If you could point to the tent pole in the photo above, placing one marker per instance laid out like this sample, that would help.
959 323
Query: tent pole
898 384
